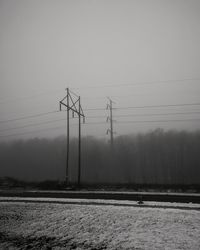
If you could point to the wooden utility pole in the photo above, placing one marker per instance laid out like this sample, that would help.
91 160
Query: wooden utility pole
71 104
79 142
110 119
67 158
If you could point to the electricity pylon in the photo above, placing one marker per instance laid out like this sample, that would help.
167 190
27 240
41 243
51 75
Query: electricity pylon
73 104
110 119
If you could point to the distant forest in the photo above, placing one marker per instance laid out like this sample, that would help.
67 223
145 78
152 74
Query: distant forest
156 157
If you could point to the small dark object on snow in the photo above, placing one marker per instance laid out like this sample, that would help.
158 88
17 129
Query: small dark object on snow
140 202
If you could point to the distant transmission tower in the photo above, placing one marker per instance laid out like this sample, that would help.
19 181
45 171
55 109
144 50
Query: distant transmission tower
73 102
110 119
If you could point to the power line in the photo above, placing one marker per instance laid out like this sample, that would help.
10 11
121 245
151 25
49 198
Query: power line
120 96
138 83
91 123
123 83
149 106
160 114
16 99
84 97
100 123
159 106
101 116
31 125
39 114
125 96
29 116
30 132
90 109
172 120
144 121
96 109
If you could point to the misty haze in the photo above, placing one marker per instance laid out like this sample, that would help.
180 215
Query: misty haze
99 124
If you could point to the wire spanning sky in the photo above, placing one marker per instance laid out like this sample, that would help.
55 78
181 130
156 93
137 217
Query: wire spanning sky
139 53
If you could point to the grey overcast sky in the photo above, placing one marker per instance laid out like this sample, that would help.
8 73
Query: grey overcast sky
138 52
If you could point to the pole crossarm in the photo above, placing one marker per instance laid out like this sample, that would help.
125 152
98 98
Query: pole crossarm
63 98
71 108
74 104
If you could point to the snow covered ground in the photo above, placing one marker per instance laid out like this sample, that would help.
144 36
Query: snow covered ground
28 225
186 206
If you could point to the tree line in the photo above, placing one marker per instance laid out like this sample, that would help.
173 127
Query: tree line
156 157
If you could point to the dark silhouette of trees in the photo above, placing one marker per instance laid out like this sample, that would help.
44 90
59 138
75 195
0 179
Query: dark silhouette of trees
156 157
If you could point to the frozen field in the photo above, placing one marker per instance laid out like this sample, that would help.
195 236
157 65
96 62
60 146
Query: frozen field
25 225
